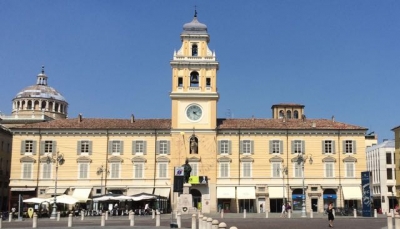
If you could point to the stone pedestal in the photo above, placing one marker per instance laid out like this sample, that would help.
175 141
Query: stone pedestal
185 200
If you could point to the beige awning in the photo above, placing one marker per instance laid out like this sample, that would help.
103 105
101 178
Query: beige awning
246 192
226 192
352 193
276 192
82 194
134 191
162 192
22 189
60 191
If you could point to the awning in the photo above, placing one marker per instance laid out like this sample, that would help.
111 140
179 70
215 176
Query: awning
22 189
246 192
226 192
276 192
162 192
82 194
352 193
134 191
60 191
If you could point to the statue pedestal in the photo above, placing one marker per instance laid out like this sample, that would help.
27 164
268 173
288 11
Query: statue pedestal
185 200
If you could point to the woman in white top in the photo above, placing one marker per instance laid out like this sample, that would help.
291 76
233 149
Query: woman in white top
283 214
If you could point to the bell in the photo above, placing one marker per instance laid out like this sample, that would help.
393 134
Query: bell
195 79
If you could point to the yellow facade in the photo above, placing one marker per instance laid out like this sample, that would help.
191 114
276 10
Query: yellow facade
243 159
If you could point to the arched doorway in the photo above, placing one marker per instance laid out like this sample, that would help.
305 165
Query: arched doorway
196 195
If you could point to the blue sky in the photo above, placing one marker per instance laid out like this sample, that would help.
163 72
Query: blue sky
111 58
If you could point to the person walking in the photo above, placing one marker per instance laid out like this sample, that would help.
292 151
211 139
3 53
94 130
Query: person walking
283 214
331 217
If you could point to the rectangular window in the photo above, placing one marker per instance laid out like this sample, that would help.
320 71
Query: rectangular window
27 171
85 146
28 146
194 166
276 146
115 170
224 147
116 147
276 170
48 146
224 170
139 147
208 82
328 146
46 171
246 167
180 82
388 158
298 146
298 171
349 170
162 170
138 167
83 170
329 170
389 173
163 147
246 146
348 146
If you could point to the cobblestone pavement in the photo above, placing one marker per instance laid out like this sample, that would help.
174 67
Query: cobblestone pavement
252 221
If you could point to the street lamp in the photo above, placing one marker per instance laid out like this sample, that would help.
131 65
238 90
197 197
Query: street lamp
59 160
284 172
301 159
100 171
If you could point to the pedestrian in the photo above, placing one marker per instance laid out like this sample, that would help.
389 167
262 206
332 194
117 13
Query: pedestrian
283 214
331 217
261 208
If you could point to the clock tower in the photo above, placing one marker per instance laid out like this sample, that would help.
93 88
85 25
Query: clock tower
194 81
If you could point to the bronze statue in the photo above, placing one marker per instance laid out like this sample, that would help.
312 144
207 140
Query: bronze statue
186 171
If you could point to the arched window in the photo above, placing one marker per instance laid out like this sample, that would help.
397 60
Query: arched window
194 50
194 79
296 115
288 114
281 114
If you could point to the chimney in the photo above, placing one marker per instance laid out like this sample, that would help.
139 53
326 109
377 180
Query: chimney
314 125
385 140
80 118
132 118
333 118
303 117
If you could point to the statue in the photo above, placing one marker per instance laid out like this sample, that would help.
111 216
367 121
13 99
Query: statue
186 171
193 146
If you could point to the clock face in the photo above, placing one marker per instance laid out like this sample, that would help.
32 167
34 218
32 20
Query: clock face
194 112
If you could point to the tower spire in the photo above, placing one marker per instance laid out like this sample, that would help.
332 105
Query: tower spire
195 11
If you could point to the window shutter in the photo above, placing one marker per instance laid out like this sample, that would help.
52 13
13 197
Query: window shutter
144 147
323 147
168 148
219 147
121 145
42 147
34 147
90 147
54 146
343 147
110 143
78 148
133 147
241 147
230 147
354 147
158 148
271 145
281 147
303 147
22 147
252 147
292 144
333 147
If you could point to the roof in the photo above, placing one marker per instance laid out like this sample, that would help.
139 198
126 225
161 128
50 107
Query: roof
222 124
384 144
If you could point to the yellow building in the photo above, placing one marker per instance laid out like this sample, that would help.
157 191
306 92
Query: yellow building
5 160
250 164
396 131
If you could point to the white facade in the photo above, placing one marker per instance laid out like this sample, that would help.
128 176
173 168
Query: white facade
381 162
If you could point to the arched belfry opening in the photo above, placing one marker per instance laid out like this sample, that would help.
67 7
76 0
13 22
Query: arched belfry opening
194 145
194 79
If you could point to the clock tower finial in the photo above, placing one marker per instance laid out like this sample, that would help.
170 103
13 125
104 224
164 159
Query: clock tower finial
195 11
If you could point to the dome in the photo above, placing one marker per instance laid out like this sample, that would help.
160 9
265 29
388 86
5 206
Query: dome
40 90
194 27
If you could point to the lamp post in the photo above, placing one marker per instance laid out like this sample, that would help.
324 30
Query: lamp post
284 171
100 171
59 160
301 159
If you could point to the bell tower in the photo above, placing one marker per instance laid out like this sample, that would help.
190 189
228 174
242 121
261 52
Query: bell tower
194 92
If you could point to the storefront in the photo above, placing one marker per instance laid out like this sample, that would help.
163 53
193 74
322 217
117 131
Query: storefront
225 195
246 197
277 196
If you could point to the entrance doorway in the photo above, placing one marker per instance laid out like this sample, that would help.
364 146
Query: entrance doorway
314 205
196 195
